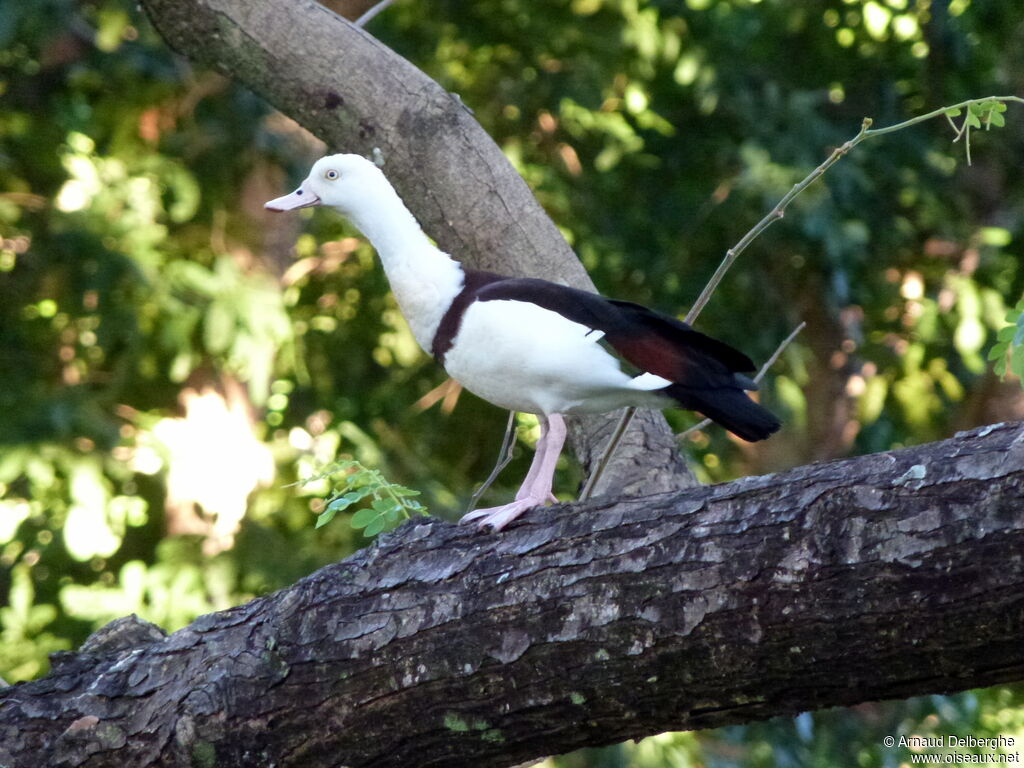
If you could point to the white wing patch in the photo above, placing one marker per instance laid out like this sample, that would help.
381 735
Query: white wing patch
523 357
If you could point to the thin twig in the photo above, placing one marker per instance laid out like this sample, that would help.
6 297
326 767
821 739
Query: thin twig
504 457
778 352
757 379
774 215
363 20
937 112
731 255
609 451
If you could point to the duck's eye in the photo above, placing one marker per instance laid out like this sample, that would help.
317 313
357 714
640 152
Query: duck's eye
331 174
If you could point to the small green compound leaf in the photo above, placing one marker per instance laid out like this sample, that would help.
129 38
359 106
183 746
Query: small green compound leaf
402 491
1018 336
996 119
325 517
358 495
337 467
340 504
1017 364
386 506
391 502
364 517
361 479
1008 351
375 527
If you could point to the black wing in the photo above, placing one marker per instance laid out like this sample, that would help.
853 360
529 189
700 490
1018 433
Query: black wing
706 374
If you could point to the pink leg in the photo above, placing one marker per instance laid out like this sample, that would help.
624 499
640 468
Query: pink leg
536 488
552 429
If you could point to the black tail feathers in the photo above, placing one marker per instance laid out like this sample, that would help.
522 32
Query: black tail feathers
730 407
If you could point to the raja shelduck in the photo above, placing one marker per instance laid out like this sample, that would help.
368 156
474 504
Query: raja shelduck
531 345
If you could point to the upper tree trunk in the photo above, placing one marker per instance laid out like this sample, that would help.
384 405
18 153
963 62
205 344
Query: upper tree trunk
884 576
359 96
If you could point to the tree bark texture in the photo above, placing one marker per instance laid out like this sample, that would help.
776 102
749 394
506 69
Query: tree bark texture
883 576
359 96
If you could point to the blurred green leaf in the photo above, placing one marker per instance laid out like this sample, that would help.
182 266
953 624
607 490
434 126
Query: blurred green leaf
218 327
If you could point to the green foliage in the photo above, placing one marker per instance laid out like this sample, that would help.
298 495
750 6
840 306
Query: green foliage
224 313
987 112
1008 351
136 264
169 593
24 639
390 503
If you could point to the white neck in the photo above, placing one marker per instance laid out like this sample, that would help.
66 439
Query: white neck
424 279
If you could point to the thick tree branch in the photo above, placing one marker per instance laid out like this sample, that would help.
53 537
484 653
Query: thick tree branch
882 576
359 96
